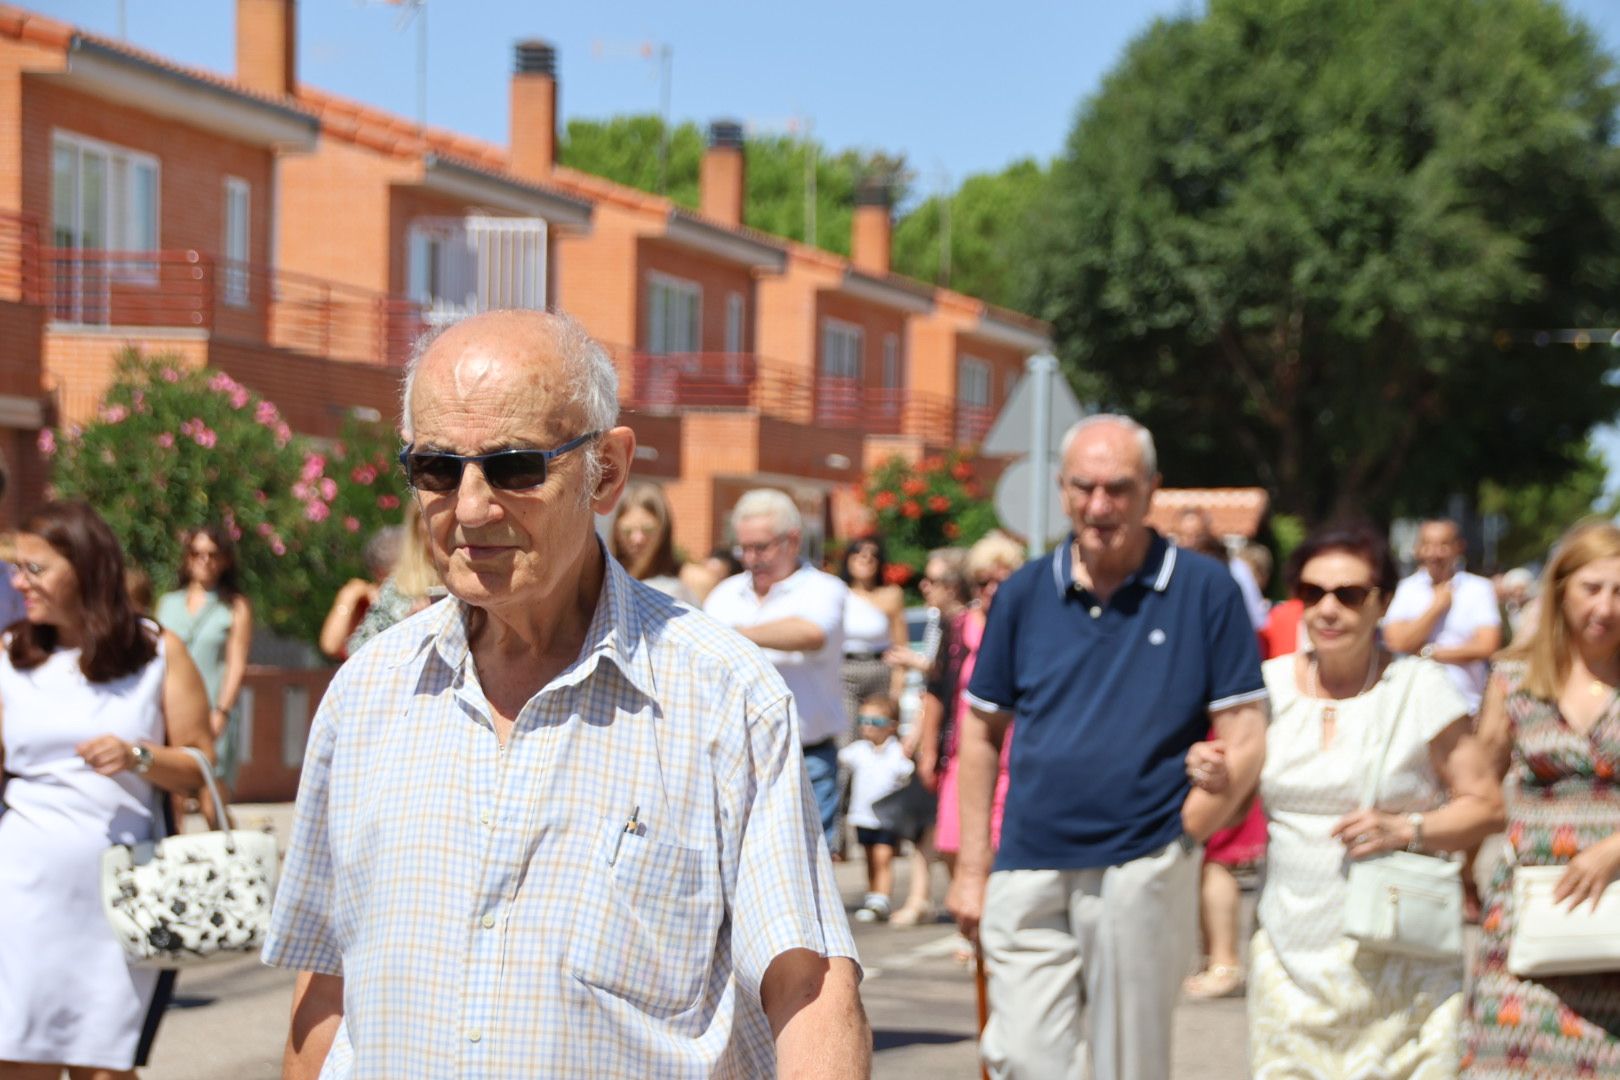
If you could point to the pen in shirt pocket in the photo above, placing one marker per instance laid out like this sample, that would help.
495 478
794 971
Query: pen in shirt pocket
632 827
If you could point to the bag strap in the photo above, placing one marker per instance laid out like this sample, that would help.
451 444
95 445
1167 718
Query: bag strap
224 822
1369 788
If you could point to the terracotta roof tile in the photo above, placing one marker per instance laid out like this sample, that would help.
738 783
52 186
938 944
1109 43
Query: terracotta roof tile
1232 511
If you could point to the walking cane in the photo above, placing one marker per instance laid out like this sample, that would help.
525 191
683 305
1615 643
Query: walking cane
982 988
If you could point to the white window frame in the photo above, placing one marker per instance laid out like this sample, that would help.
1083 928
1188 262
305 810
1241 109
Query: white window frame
662 335
972 387
736 322
236 243
842 345
894 370
119 212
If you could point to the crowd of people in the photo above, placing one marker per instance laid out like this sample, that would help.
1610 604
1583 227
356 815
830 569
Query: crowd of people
642 767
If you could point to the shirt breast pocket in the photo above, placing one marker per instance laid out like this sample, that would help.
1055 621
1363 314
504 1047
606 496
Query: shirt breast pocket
647 926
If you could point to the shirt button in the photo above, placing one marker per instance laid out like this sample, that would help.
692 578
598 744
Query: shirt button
1096 612
473 1034
489 921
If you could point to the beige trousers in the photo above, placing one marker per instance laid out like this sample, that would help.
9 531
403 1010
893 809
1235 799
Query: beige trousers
1109 945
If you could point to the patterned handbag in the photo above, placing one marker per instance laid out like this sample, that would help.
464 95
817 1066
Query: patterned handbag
191 899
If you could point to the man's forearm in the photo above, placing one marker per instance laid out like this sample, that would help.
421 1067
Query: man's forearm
1242 731
316 1013
1410 635
978 756
786 635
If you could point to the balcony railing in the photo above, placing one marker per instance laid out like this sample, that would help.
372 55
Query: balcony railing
241 300
687 381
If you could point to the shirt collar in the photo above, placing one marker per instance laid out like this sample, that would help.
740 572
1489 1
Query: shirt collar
785 585
616 632
1154 573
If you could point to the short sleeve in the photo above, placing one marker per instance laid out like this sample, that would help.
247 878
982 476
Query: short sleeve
1233 650
1406 604
784 896
1481 611
300 934
1435 703
994 686
821 601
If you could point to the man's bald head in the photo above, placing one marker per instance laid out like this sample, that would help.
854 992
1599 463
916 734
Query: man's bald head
545 346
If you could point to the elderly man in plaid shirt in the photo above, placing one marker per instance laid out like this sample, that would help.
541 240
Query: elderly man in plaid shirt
557 825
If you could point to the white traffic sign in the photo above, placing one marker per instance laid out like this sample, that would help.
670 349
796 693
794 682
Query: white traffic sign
1014 494
1013 432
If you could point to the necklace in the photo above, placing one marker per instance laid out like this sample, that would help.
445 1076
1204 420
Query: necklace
1330 710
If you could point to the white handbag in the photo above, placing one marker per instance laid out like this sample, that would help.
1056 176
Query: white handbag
189 899
1550 939
1402 902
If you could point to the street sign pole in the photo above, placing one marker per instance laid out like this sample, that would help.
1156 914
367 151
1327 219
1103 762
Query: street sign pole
1041 367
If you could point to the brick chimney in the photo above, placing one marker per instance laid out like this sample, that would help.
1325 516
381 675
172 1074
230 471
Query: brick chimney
267 45
869 232
721 182
533 138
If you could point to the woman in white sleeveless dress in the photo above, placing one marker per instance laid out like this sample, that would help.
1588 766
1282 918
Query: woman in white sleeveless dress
94 703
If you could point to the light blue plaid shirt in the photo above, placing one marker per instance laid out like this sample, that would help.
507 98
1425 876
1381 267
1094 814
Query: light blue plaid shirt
489 910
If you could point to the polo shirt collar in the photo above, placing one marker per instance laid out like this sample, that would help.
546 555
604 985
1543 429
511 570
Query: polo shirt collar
615 633
1154 573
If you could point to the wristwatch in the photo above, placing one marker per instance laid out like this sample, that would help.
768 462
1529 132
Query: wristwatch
1416 821
1427 652
143 758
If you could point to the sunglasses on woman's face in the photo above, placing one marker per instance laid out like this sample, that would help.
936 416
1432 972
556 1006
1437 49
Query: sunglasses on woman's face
505 470
1350 596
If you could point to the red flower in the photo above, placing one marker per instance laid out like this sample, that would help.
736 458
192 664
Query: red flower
962 470
952 530
939 504
883 500
911 509
932 464
913 486
896 574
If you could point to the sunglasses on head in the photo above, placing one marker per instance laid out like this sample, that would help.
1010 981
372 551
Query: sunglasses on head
1351 596
505 470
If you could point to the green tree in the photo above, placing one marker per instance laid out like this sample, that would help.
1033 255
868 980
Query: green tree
625 149
173 448
1536 514
1309 243
992 222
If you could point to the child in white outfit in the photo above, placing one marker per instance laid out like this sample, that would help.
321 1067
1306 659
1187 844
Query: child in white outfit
878 766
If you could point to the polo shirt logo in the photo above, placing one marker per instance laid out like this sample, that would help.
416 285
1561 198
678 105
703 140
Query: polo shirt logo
1156 637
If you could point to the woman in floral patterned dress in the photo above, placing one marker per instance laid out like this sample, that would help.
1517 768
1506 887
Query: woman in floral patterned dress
1551 724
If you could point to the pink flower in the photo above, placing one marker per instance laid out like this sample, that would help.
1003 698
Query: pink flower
265 529
314 465
234 529
238 398
266 414
170 375
283 434
277 546
387 502
302 491
222 383
352 524
47 441
206 438
114 414
328 488
363 474
262 497
166 439
315 510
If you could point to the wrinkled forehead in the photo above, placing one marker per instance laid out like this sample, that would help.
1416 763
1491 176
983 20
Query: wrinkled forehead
1103 453
481 388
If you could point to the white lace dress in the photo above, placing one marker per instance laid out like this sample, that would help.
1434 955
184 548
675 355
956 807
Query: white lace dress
66 994
1318 1006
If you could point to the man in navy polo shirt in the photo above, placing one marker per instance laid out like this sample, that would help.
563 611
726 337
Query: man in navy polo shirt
1115 654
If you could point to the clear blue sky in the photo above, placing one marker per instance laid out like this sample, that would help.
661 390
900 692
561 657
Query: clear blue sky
958 87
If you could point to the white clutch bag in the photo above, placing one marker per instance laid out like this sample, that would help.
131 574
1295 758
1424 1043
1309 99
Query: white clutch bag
193 898
1550 939
1406 903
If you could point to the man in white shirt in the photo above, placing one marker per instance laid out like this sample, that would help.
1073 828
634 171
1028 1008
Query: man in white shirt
1444 613
796 614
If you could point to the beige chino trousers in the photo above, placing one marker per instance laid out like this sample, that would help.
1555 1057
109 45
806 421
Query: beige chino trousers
1088 958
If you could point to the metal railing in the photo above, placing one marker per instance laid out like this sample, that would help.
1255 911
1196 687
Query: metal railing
675 382
242 300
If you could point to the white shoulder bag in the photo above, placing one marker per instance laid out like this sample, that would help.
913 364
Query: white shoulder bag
1402 902
193 898
1550 939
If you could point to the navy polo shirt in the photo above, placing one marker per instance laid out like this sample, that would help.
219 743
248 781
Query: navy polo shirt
1107 698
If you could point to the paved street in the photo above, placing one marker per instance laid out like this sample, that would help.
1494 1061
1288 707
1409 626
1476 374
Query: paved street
229 1021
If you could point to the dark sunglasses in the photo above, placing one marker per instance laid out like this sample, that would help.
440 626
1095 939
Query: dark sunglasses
1351 596
506 470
